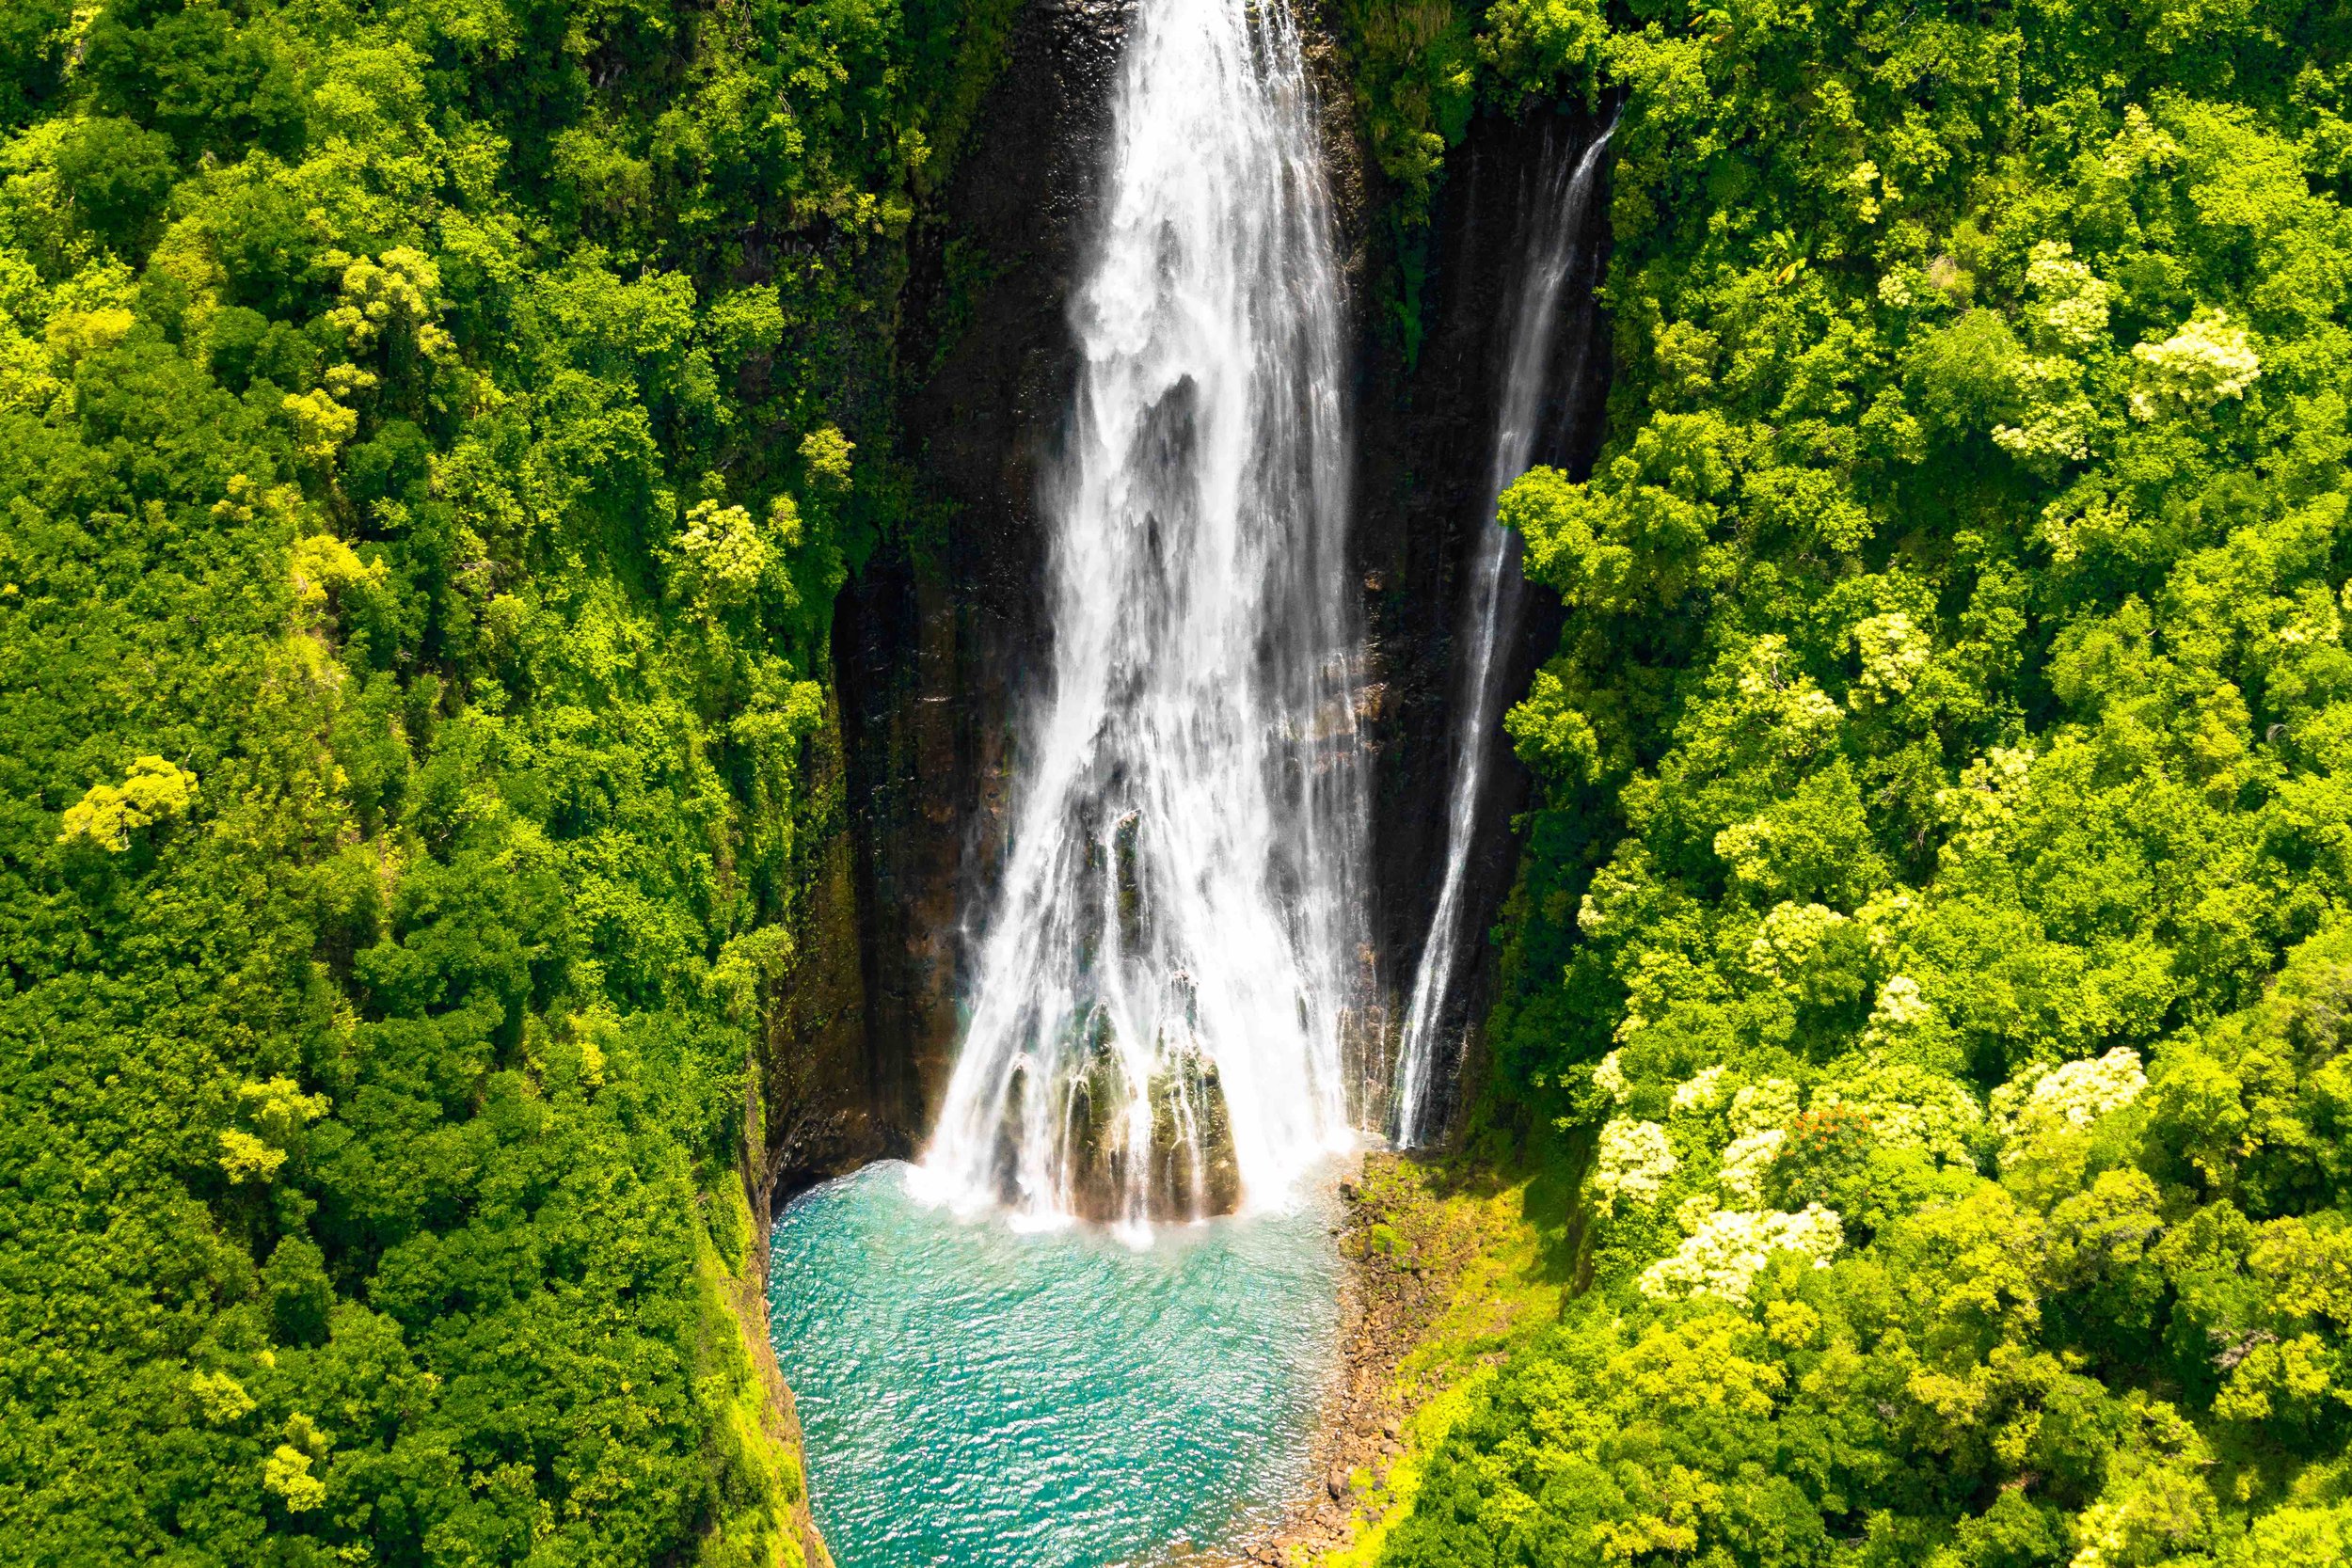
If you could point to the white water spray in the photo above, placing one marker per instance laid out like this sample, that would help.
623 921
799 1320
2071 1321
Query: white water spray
1554 251
1156 1029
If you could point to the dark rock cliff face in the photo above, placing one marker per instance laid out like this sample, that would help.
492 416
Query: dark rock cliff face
940 641
816 1110
1426 443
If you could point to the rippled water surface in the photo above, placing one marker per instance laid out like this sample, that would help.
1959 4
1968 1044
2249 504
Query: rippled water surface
976 1396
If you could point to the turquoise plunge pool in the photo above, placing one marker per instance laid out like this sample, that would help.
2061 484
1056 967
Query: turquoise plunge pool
977 1396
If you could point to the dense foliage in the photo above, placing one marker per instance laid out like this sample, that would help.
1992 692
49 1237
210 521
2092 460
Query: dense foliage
432 437
1936 916
422 490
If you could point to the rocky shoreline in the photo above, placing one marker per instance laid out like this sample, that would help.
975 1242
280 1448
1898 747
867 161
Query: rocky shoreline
1390 1297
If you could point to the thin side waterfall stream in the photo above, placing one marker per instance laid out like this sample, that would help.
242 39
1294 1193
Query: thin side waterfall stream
1556 255
1160 1035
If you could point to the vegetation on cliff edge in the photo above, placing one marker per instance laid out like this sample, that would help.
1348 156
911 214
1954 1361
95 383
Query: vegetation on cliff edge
1936 908
422 490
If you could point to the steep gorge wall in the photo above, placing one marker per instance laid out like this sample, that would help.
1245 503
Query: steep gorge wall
1425 456
940 639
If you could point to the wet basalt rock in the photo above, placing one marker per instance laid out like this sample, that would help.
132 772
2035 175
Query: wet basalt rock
940 637
1194 1172
1187 1163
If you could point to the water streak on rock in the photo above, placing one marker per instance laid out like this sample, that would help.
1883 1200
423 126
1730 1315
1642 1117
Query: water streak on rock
1559 253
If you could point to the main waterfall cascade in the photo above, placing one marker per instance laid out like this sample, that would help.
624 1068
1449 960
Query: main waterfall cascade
1557 255
1164 990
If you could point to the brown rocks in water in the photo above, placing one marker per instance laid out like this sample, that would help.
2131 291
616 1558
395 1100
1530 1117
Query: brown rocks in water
1194 1173
1094 1155
1188 1170
1005 1160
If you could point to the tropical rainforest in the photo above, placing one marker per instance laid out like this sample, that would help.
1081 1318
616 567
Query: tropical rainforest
1932 934
420 437
433 437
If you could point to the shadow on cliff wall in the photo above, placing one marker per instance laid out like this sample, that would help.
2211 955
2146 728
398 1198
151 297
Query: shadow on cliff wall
1425 450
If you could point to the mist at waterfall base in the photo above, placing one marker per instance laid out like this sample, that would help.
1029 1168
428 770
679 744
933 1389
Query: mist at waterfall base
981 1396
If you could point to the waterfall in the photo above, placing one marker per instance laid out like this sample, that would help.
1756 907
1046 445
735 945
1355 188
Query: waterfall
1555 251
1155 1029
